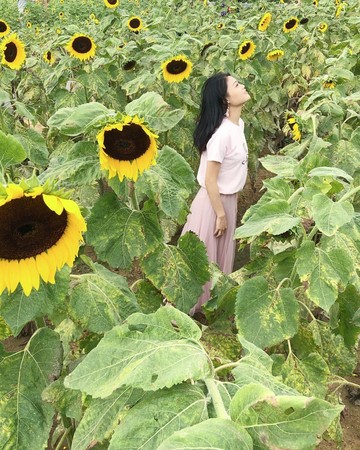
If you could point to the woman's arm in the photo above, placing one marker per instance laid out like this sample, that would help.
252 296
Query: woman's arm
211 176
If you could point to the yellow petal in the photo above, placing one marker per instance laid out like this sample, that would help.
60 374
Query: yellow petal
25 276
53 203
42 264
12 275
14 191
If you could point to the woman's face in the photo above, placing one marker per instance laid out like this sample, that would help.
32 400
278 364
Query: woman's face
236 92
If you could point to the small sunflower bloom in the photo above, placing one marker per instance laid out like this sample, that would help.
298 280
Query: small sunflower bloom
265 22
220 26
61 15
81 47
290 24
246 50
4 28
127 148
48 57
135 24
28 24
339 8
12 52
295 129
40 232
274 55
176 69
316 3
329 84
323 27
111 3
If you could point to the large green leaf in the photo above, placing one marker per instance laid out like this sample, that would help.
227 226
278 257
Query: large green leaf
120 234
35 146
273 217
11 151
25 420
280 165
348 304
265 316
323 271
329 216
157 113
102 417
75 121
211 434
330 171
169 182
101 300
179 272
345 155
281 421
148 351
158 416
67 401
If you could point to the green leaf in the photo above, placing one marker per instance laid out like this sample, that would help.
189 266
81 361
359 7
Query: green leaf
169 182
23 377
329 216
148 351
179 272
75 121
11 151
66 401
330 171
102 417
4 329
158 416
273 217
349 303
210 434
101 300
345 155
120 234
148 297
323 271
156 112
280 165
35 146
265 316
281 421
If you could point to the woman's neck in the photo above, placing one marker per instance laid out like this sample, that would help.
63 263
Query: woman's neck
234 114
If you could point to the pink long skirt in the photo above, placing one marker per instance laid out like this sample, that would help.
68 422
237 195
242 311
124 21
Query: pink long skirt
202 221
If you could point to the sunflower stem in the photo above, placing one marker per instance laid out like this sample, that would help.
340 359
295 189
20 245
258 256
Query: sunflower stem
216 399
133 198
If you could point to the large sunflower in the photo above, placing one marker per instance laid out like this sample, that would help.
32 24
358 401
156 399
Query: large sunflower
12 52
111 3
264 22
39 233
246 50
127 148
274 55
135 24
176 69
291 24
4 28
81 47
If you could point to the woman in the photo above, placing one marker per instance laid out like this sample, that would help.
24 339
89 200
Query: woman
219 137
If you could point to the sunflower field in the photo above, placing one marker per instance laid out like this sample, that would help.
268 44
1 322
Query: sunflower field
98 103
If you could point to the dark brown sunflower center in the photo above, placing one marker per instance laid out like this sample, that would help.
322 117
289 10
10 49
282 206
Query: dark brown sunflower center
134 23
82 44
290 24
245 48
48 56
176 67
112 2
129 65
3 27
128 144
10 52
28 227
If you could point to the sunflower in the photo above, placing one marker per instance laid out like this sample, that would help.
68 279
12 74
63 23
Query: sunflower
316 2
127 148
12 51
176 69
323 27
295 129
58 30
246 50
111 3
264 22
81 46
4 28
61 15
40 232
28 25
129 65
220 26
291 24
134 24
339 8
329 83
274 55
49 57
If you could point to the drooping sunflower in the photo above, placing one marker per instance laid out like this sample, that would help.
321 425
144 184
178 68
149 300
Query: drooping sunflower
81 47
129 65
40 232
329 83
220 26
339 8
4 28
176 69
274 55
316 2
246 50
111 3
135 24
265 22
12 52
291 24
294 127
323 27
48 57
28 24
127 148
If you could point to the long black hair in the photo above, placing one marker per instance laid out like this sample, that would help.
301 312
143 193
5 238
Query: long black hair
212 110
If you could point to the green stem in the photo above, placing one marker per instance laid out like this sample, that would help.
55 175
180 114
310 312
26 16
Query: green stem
282 282
216 399
349 194
342 382
314 125
133 198
295 194
289 347
227 366
66 432
313 232
307 309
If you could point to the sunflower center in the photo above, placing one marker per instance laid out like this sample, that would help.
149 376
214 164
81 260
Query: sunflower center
28 227
48 56
128 144
112 2
245 48
10 52
134 23
290 24
3 27
82 44
129 65
175 67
